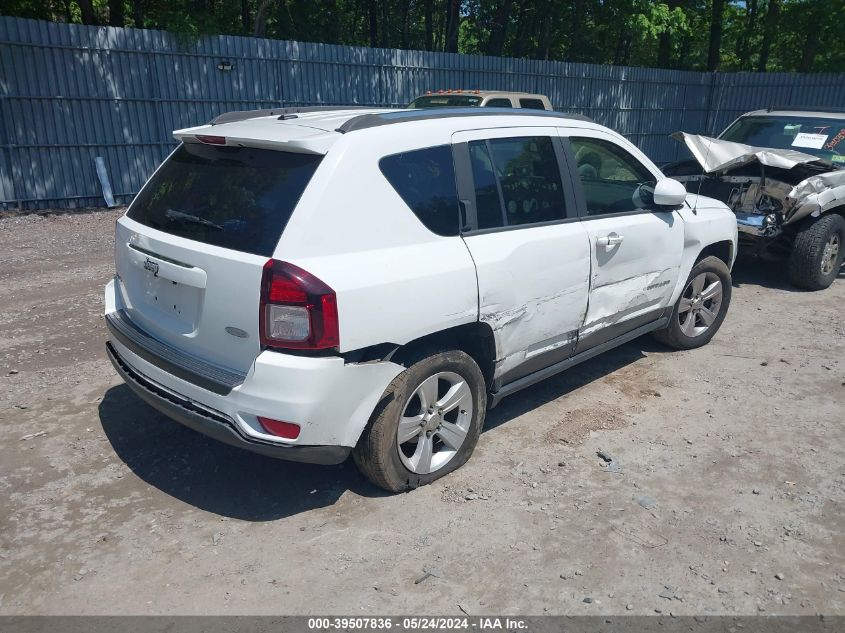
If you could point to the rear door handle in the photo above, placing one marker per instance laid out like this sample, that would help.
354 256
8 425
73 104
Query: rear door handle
610 240
465 206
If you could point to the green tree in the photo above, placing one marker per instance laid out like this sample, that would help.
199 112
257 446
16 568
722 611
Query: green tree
725 35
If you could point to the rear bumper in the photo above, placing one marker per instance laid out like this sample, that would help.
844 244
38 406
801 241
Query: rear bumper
329 398
215 379
215 424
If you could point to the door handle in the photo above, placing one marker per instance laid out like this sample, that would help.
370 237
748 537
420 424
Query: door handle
464 206
609 241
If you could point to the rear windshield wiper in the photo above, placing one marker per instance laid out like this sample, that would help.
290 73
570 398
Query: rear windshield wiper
173 214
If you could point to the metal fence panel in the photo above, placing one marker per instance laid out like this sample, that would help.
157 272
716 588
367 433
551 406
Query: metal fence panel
70 93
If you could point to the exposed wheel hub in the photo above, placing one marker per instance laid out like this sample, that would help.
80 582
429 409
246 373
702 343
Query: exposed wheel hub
432 419
830 254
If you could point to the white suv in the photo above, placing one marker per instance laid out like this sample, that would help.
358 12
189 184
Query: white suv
310 283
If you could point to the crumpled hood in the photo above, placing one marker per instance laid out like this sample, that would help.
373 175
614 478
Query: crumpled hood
811 196
715 154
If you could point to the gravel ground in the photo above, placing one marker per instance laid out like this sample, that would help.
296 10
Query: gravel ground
725 493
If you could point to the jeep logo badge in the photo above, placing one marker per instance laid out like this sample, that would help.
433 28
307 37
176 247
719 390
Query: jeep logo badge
151 266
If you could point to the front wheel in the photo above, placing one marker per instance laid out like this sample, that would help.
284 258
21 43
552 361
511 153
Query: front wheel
427 424
817 253
701 308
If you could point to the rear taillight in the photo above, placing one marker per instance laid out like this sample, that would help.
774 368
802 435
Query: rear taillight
297 311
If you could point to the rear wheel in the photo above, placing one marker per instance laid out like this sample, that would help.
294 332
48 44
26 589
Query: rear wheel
701 308
427 425
817 253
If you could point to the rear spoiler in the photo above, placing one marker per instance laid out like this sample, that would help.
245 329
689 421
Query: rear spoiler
281 113
318 143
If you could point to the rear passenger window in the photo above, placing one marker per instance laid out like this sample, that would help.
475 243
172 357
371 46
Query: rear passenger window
488 204
517 181
425 179
532 104
498 103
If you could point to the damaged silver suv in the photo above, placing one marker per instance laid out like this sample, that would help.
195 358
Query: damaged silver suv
782 172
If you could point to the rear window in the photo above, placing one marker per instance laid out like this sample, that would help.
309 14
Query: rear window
425 179
234 197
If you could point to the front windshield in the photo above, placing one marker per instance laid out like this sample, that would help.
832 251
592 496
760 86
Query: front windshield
818 136
445 101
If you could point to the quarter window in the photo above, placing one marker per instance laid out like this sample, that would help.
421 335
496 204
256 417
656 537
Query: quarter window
425 180
532 104
499 103
517 181
612 179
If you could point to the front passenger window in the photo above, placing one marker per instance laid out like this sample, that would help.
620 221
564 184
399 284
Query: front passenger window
613 181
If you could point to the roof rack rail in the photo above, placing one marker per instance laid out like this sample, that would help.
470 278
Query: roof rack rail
808 108
365 121
242 115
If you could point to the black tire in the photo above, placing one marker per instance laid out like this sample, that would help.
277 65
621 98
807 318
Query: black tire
674 335
808 254
377 454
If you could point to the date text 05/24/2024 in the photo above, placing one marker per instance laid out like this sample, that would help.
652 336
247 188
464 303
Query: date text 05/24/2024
416 623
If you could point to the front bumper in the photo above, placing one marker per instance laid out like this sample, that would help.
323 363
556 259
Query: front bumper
216 424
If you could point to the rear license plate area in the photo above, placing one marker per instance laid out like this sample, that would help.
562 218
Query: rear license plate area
176 302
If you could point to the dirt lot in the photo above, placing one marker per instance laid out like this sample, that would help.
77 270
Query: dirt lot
726 494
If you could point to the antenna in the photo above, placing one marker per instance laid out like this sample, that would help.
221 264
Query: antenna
709 143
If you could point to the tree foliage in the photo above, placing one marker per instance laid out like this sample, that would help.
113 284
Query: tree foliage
724 35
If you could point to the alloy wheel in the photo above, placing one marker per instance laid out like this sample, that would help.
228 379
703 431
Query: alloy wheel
434 423
700 303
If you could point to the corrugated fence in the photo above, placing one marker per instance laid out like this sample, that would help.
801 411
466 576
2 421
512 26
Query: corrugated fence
70 93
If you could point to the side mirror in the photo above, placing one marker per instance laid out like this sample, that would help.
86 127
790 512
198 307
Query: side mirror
669 193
